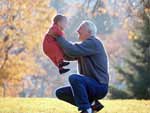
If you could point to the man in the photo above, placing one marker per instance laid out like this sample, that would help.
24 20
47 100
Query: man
92 83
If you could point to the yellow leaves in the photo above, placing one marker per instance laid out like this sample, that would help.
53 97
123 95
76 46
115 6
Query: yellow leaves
102 10
99 11
17 24
147 10
52 12
20 65
31 19
125 23
9 32
132 35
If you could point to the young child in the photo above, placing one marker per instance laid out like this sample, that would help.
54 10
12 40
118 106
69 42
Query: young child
51 47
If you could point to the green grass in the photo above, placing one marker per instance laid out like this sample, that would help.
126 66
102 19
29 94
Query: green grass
51 105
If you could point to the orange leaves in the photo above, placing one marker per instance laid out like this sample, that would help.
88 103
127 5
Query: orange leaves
1 22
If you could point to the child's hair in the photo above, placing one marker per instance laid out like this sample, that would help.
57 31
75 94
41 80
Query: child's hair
58 18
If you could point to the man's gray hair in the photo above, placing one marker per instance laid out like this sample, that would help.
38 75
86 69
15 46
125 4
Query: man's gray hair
91 26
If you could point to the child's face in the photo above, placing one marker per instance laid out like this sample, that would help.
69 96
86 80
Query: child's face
63 24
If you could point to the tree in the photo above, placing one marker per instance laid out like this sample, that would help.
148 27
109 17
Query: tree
137 69
22 26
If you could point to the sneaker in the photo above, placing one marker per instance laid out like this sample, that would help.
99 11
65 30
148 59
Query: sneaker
88 111
62 70
97 106
83 112
63 64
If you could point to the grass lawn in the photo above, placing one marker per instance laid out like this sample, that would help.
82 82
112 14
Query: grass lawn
52 105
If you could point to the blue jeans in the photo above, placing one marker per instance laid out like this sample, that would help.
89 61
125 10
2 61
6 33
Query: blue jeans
82 92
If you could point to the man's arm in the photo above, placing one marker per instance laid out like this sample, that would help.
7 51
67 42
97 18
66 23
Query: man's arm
86 48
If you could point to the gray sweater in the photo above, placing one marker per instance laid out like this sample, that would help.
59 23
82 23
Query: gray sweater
91 56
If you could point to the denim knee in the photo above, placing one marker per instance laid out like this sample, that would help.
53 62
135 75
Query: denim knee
58 93
74 78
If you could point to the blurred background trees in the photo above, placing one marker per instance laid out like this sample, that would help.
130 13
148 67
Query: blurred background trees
123 26
136 72
21 34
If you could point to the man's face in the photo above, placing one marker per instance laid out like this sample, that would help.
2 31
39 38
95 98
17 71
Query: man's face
83 32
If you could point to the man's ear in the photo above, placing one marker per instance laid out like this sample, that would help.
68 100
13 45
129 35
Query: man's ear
89 31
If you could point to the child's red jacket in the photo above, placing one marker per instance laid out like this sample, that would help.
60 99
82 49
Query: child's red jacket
51 47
